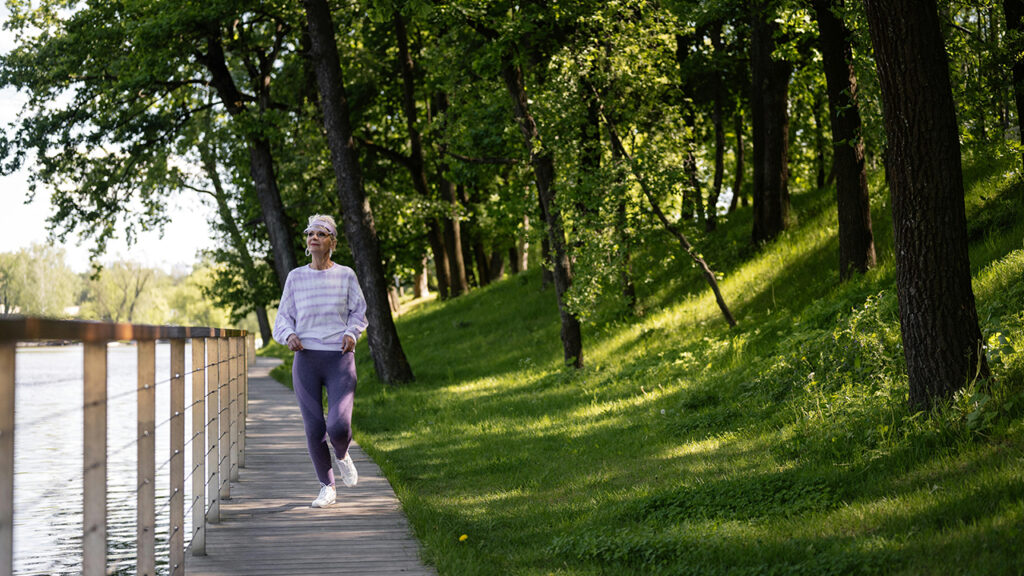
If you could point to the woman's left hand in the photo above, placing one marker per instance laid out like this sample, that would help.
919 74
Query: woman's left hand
348 344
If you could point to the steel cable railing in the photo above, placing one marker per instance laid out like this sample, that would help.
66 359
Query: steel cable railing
170 518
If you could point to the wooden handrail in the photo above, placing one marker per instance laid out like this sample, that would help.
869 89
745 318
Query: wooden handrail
30 328
220 403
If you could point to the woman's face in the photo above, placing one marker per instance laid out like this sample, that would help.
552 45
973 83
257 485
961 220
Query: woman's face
319 242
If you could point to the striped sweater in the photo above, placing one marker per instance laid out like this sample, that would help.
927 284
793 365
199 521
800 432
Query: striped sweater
320 307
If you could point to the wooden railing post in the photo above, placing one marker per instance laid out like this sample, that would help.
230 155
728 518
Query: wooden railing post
213 421
176 530
94 460
243 390
233 388
145 509
224 417
7 458
198 447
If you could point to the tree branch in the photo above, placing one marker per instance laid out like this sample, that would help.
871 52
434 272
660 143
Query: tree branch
484 160
386 152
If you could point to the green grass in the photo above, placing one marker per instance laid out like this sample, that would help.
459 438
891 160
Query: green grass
781 447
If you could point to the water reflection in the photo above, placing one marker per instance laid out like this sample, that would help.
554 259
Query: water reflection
48 458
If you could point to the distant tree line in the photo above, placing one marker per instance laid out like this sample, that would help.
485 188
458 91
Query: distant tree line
457 133
37 281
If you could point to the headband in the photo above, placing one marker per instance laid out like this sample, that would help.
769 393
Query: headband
321 224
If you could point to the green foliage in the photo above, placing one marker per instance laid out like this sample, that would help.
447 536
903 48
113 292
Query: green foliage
782 447
36 281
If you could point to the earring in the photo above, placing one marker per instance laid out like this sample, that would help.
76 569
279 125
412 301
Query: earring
307 251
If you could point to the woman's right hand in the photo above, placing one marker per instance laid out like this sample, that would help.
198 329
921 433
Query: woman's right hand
294 344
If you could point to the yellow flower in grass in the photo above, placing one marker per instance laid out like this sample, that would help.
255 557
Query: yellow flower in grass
463 538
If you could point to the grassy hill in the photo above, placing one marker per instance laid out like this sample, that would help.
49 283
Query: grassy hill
783 446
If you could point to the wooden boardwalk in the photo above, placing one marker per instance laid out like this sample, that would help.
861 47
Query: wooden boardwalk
268 526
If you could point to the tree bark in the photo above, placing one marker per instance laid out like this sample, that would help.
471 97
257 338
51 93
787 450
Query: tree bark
939 323
856 238
388 356
544 172
1014 11
770 101
261 161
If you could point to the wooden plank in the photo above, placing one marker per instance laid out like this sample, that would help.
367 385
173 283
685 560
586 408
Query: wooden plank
94 460
198 544
7 350
176 553
268 526
145 509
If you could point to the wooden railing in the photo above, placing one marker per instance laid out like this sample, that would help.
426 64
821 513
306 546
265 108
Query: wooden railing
220 359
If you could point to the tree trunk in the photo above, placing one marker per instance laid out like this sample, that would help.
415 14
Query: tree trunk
513 260
856 239
770 100
941 340
394 300
453 244
716 118
453 233
819 139
209 162
388 357
625 249
421 287
524 245
1014 10
261 162
442 263
472 245
416 165
737 183
497 266
544 172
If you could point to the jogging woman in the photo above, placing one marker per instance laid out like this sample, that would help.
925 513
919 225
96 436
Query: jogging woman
321 316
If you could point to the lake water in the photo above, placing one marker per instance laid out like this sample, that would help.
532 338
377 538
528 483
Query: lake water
48 458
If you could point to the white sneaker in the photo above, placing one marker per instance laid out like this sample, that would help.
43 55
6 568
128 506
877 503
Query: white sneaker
349 475
327 497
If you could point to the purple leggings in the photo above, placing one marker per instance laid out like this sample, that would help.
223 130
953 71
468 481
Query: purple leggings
313 370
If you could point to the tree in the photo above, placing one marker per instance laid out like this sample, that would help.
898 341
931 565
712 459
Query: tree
36 281
544 170
360 232
770 102
939 322
1014 12
856 240
112 87
123 292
